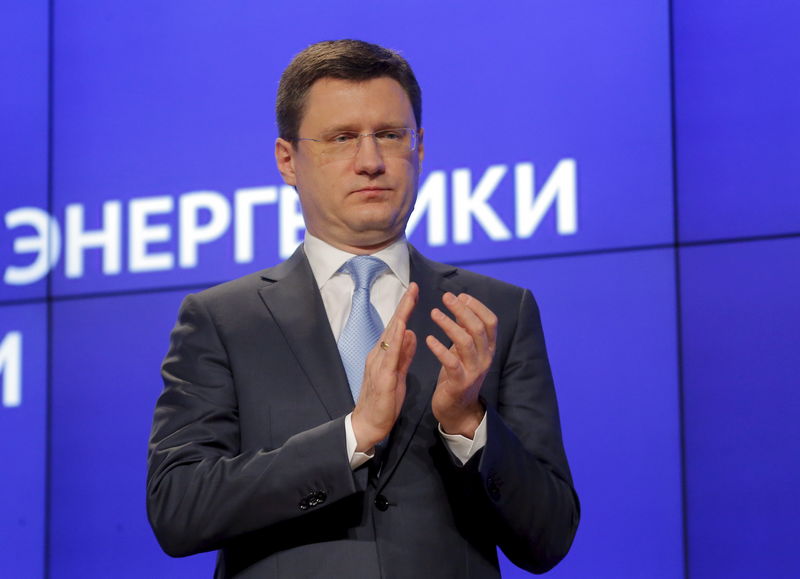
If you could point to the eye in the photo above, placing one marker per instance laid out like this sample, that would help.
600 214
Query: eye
342 138
390 135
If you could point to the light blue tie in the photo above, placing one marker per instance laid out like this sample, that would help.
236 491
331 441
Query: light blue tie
363 326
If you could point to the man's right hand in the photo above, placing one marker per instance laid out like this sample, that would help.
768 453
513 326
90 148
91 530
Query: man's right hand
384 386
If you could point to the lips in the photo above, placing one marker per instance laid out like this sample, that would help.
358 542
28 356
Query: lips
371 189
372 193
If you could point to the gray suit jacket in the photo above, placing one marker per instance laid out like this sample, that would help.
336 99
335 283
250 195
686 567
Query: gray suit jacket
247 453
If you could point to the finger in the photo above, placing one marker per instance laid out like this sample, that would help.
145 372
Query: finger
394 338
382 362
487 316
462 340
450 362
409 348
468 320
403 310
407 303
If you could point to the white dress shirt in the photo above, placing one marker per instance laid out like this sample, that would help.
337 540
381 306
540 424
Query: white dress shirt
337 295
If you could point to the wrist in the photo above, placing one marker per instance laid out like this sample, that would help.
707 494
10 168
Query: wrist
366 438
465 424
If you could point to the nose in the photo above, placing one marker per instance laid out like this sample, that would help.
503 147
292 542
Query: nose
368 159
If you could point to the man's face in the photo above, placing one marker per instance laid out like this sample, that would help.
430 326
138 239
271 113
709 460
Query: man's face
360 203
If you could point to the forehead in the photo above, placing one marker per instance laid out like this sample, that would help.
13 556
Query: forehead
336 103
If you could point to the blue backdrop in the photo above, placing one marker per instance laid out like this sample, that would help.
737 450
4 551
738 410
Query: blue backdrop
635 164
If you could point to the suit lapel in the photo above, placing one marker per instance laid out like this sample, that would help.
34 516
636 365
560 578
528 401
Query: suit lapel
434 279
294 301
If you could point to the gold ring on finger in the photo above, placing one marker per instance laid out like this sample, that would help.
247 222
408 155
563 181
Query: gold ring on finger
384 346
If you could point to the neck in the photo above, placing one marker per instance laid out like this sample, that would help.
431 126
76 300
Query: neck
359 248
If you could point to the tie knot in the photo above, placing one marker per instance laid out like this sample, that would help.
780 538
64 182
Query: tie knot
364 269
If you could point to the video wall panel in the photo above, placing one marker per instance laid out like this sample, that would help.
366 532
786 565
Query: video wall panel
164 133
610 325
619 426
23 438
737 119
741 368
106 358
24 223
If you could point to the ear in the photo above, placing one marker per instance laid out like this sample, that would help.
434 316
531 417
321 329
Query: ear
420 145
284 158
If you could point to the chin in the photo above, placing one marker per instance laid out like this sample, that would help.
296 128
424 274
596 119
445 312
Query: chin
377 233
374 219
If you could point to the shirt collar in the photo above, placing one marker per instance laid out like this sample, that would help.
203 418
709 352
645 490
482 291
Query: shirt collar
325 260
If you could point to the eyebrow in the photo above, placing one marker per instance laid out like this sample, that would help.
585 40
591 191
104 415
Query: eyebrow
350 128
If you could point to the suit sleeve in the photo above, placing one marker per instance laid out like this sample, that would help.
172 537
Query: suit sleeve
202 490
521 482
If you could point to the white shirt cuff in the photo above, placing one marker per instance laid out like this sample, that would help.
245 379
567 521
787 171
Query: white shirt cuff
356 458
462 447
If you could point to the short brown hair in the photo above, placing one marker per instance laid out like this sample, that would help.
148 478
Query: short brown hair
346 59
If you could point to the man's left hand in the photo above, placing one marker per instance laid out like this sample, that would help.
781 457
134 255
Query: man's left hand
455 401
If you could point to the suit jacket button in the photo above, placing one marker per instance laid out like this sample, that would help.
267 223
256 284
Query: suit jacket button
316 498
381 503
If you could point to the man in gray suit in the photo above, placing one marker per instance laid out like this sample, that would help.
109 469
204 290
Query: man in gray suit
302 431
